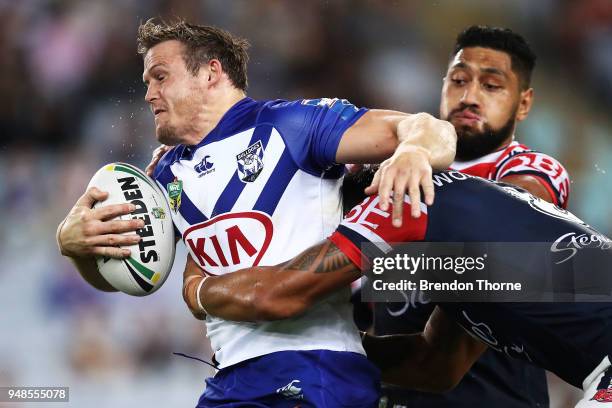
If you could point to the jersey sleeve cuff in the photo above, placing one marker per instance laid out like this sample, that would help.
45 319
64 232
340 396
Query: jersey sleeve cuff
332 148
347 247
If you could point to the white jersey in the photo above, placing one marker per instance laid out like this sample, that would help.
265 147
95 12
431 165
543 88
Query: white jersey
259 189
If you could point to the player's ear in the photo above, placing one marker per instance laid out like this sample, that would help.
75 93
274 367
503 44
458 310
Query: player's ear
215 71
525 102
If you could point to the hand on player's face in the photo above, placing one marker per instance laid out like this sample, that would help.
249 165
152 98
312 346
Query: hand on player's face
94 232
155 157
408 170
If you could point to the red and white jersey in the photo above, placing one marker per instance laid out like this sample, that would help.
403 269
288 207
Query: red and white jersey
516 159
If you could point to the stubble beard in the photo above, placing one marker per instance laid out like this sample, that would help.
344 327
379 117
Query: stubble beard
168 135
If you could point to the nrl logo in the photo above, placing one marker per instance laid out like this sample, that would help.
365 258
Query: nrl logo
250 162
175 190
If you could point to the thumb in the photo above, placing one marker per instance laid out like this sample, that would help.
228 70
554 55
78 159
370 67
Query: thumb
91 196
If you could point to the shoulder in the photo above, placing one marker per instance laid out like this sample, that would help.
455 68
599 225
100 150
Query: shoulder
521 157
302 106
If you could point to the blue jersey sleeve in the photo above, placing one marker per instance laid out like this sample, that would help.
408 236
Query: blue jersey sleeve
312 129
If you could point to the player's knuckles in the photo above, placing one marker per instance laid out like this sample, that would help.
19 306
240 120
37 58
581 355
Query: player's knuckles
126 208
96 194
101 251
136 224
426 170
113 240
118 226
401 169
91 192
89 229
116 209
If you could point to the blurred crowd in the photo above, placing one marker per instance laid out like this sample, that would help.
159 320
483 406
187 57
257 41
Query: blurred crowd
72 100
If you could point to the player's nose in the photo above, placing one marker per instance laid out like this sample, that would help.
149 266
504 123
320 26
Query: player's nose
152 94
471 95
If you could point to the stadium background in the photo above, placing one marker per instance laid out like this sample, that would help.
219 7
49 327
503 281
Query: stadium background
71 99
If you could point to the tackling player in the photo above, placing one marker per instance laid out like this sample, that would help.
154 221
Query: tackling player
572 340
486 92
255 182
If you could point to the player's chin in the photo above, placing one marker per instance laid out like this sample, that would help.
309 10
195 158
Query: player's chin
166 135
468 131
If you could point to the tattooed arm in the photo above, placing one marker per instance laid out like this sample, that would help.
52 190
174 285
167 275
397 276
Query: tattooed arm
270 292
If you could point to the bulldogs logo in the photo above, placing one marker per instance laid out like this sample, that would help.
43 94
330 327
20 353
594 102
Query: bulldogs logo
250 162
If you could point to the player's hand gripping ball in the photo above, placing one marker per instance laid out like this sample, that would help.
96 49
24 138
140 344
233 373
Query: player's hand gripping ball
151 259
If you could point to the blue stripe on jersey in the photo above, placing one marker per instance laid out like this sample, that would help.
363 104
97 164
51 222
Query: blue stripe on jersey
234 188
277 184
188 210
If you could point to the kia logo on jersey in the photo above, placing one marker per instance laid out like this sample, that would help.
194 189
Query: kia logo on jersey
229 242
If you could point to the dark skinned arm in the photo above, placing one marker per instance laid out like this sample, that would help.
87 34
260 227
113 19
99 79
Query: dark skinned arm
434 360
531 184
270 292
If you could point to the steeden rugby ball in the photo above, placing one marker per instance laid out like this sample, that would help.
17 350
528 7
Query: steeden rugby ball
151 259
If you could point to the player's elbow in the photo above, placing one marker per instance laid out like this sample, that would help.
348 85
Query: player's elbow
195 310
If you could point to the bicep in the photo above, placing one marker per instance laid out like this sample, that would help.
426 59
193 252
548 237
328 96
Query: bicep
533 184
371 139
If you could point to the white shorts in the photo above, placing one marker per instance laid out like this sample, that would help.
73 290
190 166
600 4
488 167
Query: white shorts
595 393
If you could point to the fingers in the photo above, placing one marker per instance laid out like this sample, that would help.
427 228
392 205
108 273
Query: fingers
111 252
428 188
108 212
373 187
91 196
155 157
399 189
114 227
385 186
113 240
414 191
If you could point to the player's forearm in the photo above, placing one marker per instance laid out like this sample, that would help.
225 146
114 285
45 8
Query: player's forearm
234 296
86 266
88 269
274 292
434 136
